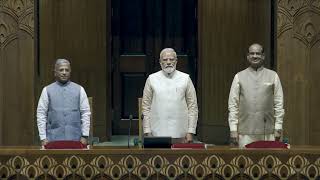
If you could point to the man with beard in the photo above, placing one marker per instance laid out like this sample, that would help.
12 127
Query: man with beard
63 111
255 102
169 102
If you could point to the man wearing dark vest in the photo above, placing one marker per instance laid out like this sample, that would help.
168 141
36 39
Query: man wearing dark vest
63 111
255 102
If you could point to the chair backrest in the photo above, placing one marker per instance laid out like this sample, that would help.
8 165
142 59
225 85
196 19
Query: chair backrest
140 121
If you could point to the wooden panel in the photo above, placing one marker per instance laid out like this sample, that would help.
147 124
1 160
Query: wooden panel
78 31
133 84
314 130
298 66
17 72
132 26
226 29
126 63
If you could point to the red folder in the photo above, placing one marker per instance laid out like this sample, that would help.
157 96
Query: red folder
65 145
267 144
188 146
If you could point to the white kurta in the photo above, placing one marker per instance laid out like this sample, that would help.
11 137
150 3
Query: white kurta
169 105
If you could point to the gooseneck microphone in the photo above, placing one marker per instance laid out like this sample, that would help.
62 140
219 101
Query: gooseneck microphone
264 128
129 129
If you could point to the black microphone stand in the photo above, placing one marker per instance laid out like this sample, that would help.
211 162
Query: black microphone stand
129 130
264 128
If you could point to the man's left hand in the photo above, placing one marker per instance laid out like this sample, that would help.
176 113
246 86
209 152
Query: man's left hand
277 134
188 138
84 140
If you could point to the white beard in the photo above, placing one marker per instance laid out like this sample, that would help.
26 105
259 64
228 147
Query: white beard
169 70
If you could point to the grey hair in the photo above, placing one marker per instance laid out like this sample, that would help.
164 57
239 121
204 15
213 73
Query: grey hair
256 44
168 50
61 61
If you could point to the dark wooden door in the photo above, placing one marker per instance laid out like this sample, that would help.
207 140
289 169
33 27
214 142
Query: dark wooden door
140 30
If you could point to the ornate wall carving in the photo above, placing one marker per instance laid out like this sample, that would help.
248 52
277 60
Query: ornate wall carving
298 35
17 68
18 15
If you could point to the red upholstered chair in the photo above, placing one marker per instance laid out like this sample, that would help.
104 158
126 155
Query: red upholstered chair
267 144
65 145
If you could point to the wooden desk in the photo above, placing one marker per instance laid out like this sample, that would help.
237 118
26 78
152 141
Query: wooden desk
120 163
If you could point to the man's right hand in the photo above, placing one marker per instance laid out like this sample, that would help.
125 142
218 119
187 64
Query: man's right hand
148 134
277 134
234 139
44 142
84 140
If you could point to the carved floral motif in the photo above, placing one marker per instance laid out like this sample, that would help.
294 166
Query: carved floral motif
139 166
17 15
300 16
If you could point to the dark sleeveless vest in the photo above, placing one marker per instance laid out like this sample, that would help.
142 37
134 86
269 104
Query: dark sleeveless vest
64 119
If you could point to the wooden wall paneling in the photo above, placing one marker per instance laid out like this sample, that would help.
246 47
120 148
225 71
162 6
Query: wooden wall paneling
219 45
314 75
109 65
292 74
78 31
298 66
2 39
17 72
259 26
226 29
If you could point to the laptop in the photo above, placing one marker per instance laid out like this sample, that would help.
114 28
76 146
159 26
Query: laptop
157 142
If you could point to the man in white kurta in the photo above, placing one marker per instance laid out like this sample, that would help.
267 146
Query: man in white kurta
169 103
255 102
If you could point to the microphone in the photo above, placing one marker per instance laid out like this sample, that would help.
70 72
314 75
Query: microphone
129 129
264 128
